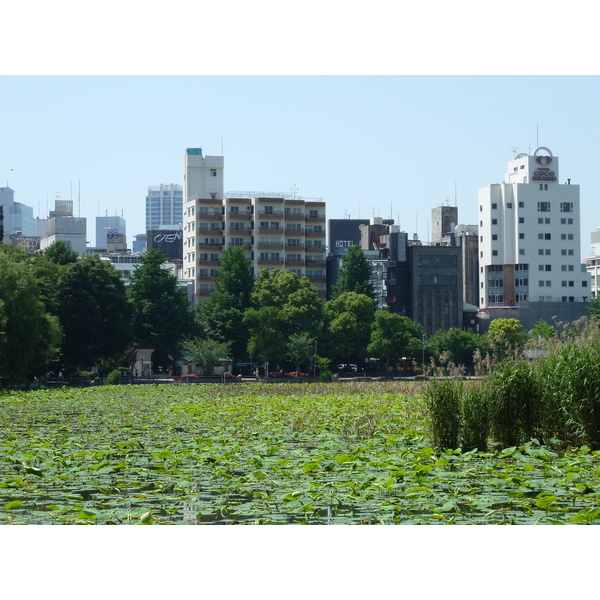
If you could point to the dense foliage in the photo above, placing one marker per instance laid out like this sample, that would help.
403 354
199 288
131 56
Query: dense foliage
75 314
340 453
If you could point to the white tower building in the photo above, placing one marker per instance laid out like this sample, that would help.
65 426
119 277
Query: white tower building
529 244
203 196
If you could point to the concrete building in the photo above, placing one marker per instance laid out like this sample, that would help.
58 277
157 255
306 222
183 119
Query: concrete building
63 226
111 231
529 242
275 230
164 207
139 243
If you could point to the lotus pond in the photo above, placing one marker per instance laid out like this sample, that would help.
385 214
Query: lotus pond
342 453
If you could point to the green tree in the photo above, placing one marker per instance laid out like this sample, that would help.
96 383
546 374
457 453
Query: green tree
221 315
394 336
348 321
456 346
282 304
207 352
61 254
94 312
29 336
542 330
354 274
300 348
594 309
505 337
162 316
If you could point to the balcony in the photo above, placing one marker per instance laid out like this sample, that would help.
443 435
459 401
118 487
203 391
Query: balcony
267 215
210 217
267 262
269 246
270 231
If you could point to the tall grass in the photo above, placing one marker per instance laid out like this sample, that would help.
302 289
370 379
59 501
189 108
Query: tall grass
443 399
514 403
571 392
475 419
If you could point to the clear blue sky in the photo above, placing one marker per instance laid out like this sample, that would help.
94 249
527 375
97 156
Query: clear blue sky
367 145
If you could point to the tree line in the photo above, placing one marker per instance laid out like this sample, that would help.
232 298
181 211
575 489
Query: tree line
62 311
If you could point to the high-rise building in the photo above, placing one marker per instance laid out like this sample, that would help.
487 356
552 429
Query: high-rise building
275 230
529 239
63 226
18 217
164 207
110 231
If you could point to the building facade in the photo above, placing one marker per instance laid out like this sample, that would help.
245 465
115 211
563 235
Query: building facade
64 227
164 207
18 217
276 231
529 236
109 231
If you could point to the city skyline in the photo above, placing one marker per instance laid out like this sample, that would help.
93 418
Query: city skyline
390 146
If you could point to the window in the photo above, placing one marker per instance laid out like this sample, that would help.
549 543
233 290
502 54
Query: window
494 252
494 206
521 251
313 214
494 237
547 252
521 220
584 284
213 172
563 267
521 204
494 221
509 205
566 207
540 252
543 206
548 267
521 236
547 236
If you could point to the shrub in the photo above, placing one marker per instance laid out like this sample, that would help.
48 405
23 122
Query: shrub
514 403
443 399
114 377
572 393
475 422
325 376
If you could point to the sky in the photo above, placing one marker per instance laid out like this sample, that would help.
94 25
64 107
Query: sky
391 146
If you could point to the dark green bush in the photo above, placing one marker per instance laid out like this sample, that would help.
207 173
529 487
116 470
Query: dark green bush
475 422
571 393
443 398
514 403
114 377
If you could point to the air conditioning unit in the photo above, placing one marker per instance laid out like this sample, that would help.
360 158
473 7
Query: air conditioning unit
390 264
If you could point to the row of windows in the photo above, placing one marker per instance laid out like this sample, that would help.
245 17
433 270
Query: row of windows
565 207
541 252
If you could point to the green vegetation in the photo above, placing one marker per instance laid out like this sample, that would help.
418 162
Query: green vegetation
354 274
258 454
